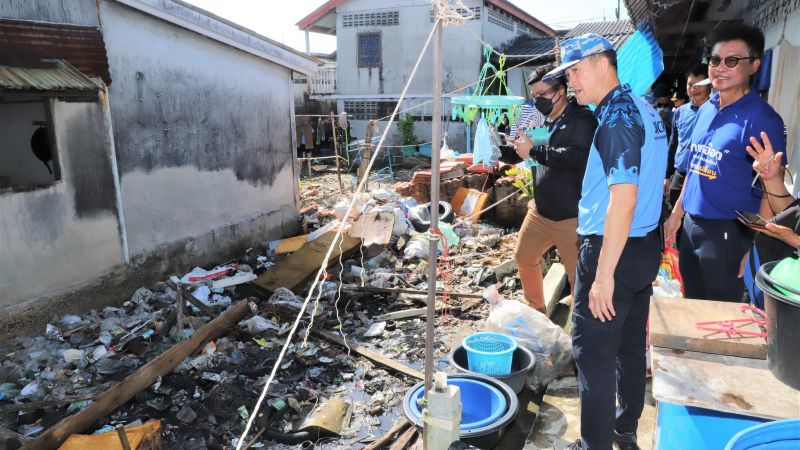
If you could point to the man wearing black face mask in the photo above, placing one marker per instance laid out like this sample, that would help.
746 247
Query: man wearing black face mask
552 217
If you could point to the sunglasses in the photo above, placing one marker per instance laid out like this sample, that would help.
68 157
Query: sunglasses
730 61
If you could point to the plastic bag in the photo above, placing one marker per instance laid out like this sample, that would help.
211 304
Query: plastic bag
669 269
549 343
486 149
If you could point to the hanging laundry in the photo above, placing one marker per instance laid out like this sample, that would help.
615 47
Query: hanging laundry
305 134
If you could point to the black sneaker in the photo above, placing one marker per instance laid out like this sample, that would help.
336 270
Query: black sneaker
563 445
626 441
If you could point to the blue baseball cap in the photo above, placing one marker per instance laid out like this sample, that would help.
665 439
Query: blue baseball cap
575 50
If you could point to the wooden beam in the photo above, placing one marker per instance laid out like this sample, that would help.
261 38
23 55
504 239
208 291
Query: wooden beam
381 441
402 442
366 154
370 354
17 407
189 297
110 400
6 435
302 265
413 292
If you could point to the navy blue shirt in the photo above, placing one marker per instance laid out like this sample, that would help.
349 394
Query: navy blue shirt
630 146
720 172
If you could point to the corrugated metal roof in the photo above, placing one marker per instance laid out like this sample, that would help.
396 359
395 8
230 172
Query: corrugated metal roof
60 77
25 44
528 45
609 27
616 31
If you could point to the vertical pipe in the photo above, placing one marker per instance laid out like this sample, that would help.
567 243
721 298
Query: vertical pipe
436 143
336 152
112 150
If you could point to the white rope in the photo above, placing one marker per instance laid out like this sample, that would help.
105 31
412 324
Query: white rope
411 108
316 283
452 12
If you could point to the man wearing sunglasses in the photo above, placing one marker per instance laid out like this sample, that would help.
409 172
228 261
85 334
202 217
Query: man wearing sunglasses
720 170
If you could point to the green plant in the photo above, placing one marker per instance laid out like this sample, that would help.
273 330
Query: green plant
407 131
523 179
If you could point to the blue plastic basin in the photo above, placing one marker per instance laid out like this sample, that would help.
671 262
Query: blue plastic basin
778 435
481 403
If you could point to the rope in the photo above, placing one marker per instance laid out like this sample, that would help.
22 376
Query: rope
411 108
316 283
451 13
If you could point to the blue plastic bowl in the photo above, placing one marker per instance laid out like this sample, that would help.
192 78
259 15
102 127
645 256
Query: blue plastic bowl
481 403
778 435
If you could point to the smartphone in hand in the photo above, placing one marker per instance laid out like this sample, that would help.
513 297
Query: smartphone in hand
752 220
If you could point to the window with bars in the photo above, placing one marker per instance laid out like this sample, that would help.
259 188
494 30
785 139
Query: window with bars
368 109
498 18
372 19
369 49
476 12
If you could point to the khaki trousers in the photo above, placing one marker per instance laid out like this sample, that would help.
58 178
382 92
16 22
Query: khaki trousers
536 236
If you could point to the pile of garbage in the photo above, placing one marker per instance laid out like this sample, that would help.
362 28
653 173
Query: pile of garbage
327 386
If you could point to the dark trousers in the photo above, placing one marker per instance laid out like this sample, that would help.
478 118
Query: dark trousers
611 355
710 254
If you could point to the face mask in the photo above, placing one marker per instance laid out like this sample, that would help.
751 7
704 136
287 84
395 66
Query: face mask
545 105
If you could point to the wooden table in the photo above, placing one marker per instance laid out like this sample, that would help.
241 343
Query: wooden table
693 368
724 383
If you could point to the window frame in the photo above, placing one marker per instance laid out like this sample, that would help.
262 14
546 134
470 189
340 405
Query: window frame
358 49
55 163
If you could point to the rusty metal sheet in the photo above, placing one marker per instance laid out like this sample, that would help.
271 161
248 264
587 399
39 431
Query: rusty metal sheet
60 76
26 44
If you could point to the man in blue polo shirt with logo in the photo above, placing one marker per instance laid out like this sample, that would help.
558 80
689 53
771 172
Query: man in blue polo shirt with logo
620 245
720 176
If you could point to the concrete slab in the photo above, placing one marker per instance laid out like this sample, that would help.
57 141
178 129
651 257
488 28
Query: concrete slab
555 284
559 417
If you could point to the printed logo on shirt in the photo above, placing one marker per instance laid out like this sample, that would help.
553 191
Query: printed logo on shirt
705 160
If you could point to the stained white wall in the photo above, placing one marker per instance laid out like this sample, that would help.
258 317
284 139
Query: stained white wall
66 234
203 131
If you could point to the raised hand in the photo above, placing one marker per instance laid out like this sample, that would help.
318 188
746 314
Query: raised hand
767 164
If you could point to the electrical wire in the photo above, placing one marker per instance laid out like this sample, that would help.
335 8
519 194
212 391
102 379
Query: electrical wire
316 283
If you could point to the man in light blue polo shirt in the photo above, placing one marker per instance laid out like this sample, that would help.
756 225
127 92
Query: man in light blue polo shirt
620 245
682 126
720 174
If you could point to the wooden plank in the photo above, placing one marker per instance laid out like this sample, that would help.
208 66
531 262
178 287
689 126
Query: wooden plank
371 354
7 436
17 407
379 290
189 297
722 383
673 325
404 439
381 441
136 382
366 153
290 245
303 264
419 312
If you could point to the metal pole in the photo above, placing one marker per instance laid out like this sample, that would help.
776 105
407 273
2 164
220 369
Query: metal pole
436 143
336 152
